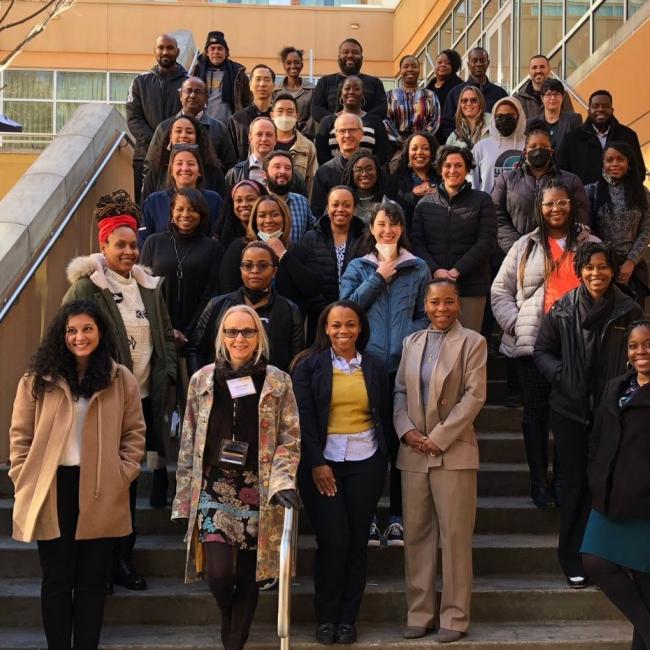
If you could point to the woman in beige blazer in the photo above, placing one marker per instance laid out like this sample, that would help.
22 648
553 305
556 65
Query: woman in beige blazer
439 390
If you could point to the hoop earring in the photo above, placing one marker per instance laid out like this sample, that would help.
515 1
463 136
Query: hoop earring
363 101
629 365
341 101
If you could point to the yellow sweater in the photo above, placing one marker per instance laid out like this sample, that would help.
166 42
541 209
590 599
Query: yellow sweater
349 408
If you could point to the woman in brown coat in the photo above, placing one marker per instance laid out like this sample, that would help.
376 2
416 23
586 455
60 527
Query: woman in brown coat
76 441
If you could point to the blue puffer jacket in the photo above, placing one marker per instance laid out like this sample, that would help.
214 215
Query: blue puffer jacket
395 309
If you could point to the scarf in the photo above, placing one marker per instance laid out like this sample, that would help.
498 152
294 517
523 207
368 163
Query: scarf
470 136
224 371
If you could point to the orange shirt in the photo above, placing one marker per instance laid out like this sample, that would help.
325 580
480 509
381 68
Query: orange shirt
563 278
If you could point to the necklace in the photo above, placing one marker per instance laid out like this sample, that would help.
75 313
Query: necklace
179 266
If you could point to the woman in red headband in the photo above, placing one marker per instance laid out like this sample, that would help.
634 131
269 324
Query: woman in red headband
131 300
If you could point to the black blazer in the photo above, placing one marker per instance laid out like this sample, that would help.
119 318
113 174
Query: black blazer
619 448
312 386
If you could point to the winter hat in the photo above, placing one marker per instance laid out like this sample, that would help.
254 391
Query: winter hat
215 37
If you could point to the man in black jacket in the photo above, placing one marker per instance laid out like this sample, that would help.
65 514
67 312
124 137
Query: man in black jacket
226 80
478 62
153 97
581 151
262 84
193 96
350 60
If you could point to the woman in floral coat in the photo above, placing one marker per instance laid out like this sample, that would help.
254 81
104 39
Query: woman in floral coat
237 470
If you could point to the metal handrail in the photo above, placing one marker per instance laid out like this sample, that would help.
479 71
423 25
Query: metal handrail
284 586
9 302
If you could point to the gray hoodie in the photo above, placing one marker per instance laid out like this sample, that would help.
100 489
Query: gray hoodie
497 154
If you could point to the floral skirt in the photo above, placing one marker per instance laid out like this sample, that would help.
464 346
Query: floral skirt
229 507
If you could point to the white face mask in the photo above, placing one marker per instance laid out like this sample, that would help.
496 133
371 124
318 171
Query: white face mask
265 236
285 123
387 251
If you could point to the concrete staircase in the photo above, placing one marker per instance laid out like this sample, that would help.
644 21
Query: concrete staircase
520 598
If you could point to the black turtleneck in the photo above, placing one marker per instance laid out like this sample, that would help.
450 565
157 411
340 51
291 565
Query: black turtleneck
200 257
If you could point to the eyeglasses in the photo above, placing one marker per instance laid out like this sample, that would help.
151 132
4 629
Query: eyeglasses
347 131
191 91
185 146
469 100
247 333
364 171
560 203
553 95
260 266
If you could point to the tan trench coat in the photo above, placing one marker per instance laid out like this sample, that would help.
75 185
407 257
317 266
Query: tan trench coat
111 451
279 454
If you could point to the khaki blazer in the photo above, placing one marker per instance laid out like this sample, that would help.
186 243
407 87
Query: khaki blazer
456 395
111 451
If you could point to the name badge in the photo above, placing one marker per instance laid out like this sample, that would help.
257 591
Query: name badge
233 452
241 387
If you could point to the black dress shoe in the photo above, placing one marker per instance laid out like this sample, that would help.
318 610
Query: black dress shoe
346 633
542 498
124 574
326 633
578 582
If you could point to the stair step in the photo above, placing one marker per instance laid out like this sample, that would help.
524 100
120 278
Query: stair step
552 635
164 556
498 418
169 602
500 514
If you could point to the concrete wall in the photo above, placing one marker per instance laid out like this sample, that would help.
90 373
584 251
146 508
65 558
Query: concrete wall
107 35
13 165
30 212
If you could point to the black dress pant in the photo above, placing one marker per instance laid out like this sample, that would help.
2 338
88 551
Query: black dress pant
74 575
395 476
571 440
341 524
138 177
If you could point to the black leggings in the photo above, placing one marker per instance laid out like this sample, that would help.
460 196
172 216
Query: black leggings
628 590
74 575
231 579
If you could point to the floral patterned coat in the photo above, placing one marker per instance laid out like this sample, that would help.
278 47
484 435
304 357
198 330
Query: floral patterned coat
279 454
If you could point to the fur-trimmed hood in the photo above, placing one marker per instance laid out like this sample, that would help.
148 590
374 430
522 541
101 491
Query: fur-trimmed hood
93 266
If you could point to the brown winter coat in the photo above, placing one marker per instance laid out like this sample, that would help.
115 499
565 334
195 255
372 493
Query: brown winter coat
112 448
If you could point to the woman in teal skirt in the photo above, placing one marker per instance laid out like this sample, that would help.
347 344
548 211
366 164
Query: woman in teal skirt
616 545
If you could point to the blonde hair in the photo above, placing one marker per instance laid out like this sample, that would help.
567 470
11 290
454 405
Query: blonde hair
251 228
262 340
460 118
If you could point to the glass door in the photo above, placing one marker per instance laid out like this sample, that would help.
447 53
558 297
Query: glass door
498 41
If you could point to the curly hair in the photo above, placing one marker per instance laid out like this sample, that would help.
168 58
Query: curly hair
229 226
587 249
115 204
403 164
53 361
449 150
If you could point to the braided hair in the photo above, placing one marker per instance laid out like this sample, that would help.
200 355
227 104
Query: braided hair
115 204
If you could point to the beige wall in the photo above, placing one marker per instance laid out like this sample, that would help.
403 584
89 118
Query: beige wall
13 166
25 323
120 35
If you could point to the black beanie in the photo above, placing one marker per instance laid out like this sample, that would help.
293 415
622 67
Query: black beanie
215 37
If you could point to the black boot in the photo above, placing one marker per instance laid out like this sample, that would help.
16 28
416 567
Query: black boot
536 443
159 487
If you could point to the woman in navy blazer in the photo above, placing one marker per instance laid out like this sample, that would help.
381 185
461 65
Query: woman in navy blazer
342 472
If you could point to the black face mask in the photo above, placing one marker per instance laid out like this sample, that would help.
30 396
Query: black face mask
538 158
256 295
505 124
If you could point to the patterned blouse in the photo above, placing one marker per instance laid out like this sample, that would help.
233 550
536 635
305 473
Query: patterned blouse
410 111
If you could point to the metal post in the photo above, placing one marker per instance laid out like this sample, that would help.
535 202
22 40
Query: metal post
284 586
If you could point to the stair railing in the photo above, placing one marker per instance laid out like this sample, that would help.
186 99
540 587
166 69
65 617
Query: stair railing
284 586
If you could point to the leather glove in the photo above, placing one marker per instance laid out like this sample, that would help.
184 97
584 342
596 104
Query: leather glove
286 499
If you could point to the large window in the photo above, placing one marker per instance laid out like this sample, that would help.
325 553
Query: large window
44 100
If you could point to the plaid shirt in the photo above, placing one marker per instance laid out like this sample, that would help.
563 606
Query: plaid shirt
410 111
302 219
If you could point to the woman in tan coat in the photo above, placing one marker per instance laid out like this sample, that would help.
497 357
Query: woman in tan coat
76 442
439 390
236 473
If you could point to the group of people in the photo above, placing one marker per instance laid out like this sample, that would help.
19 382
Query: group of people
309 280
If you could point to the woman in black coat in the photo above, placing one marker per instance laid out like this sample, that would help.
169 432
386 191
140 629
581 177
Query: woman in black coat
345 409
281 318
615 549
330 246
270 222
187 258
454 231
579 348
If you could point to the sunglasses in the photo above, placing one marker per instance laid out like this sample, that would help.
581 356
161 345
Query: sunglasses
247 333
